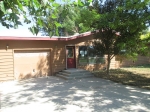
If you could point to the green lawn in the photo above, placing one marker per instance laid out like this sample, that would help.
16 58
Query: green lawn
139 69
136 76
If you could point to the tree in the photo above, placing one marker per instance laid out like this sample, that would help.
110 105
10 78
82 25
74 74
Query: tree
71 22
33 11
120 26
11 10
66 22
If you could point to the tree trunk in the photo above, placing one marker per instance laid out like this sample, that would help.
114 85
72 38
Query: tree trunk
108 64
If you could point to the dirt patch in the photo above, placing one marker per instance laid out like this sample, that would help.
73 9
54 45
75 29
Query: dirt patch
129 76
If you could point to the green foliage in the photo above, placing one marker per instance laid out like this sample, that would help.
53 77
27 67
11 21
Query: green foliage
79 20
71 21
34 11
75 19
87 17
120 26
145 36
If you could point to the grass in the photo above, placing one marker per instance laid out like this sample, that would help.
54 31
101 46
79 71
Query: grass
138 76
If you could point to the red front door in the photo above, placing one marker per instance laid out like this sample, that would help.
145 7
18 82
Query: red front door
71 63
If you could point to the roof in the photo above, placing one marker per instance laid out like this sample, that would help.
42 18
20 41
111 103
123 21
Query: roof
46 37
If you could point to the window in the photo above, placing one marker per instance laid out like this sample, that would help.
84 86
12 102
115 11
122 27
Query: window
83 57
95 57
91 52
87 55
70 52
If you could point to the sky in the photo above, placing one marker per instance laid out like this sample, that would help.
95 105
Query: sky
21 31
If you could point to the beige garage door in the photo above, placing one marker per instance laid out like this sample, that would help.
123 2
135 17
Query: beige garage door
29 64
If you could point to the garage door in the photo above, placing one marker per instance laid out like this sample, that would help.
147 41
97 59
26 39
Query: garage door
29 64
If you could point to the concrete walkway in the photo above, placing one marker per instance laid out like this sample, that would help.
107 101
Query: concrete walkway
84 95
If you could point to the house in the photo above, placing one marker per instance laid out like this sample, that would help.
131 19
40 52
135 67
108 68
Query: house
22 57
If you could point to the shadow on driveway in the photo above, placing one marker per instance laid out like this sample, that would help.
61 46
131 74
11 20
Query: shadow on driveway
83 95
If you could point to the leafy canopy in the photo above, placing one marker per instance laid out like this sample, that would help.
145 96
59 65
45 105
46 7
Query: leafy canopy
71 21
33 11
120 26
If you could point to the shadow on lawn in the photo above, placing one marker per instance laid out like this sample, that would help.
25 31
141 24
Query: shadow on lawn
141 66
126 77
91 94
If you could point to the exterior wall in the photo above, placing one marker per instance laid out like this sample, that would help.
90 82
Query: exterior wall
113 63
141 60
86 41
57 55
58 59
6 64
56 49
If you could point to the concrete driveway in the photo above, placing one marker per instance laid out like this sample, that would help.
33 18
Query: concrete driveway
83 95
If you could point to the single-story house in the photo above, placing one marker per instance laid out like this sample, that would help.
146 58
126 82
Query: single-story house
25 57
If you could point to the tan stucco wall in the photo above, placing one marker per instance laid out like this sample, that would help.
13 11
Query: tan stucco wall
56 48
141 60
6 64
57 55
86 41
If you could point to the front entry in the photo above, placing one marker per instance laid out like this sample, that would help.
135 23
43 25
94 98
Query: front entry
70 53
